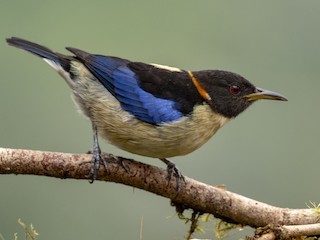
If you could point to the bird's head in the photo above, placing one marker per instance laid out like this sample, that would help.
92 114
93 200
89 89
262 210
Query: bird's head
230 94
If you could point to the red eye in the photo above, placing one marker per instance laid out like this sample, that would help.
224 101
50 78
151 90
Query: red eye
234 89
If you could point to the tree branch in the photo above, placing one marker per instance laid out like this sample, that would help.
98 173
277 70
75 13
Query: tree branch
204 198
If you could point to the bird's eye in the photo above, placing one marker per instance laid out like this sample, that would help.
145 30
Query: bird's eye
234 89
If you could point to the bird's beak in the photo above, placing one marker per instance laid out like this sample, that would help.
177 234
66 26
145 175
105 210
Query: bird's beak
265 94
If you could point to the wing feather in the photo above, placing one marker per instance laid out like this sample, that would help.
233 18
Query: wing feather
124 84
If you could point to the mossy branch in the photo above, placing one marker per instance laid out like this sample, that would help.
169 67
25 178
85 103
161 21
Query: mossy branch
230 207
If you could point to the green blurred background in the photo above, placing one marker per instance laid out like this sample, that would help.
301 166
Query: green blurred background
270 153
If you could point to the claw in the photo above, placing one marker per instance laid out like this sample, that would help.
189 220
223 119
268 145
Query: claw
97 159
172 169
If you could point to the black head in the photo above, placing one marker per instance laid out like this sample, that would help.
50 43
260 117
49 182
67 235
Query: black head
231 93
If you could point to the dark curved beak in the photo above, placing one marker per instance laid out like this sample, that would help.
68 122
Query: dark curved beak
265 94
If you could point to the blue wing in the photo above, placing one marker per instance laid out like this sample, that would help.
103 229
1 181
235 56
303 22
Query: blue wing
123 84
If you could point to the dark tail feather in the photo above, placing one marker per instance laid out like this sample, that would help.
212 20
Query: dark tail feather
34 48
41 51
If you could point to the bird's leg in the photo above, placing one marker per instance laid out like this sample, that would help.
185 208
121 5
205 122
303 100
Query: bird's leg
96 156
172 169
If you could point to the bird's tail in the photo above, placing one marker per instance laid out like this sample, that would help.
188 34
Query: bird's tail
52 58
34 48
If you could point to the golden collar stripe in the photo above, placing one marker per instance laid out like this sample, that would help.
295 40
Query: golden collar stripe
203 93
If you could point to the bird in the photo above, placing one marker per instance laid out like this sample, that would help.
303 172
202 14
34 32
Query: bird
151 110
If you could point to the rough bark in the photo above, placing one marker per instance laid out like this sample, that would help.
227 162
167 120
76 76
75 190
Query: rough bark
201 197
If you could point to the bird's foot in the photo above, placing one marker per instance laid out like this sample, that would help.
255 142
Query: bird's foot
96 160
172 169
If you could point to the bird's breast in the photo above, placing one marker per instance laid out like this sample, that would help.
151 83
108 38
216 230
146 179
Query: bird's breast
159 141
